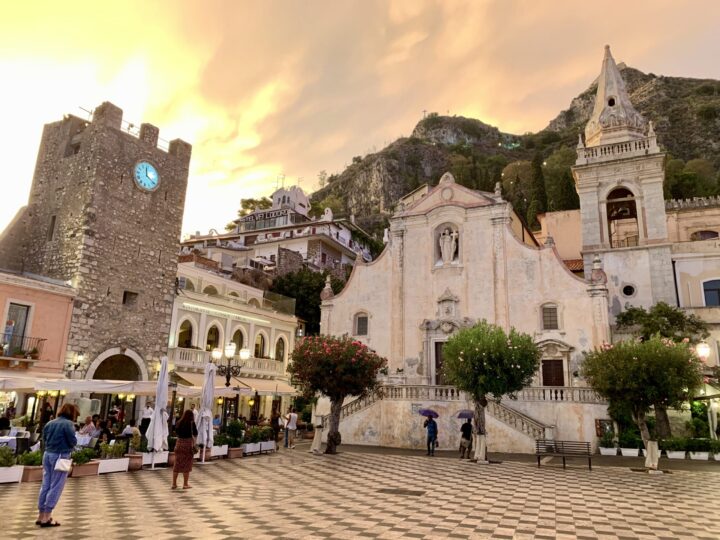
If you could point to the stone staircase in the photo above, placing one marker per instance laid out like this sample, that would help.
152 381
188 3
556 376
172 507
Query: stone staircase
507 415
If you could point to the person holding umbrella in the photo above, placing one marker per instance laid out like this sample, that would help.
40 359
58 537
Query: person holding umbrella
465 438
432 429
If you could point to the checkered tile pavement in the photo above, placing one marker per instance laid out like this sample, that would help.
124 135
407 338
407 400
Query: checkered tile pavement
293 494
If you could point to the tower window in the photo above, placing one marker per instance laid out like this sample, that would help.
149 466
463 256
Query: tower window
628 290
51 228
611 102
361 324
130 298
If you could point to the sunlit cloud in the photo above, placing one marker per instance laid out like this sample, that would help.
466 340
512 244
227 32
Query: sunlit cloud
264 89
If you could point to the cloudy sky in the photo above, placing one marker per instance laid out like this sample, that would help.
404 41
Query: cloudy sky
266 88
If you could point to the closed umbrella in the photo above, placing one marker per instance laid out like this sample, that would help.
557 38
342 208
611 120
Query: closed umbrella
205 427
157 432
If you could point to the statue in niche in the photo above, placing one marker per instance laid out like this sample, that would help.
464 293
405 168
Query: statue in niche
448 245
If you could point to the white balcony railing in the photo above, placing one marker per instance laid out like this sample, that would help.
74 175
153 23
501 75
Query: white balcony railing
196 359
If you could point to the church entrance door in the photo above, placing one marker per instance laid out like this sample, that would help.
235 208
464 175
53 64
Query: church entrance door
439 379
552 373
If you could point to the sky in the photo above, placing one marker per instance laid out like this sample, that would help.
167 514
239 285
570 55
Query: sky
271 89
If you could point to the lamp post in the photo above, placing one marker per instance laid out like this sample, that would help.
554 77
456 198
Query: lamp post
228 370
703 350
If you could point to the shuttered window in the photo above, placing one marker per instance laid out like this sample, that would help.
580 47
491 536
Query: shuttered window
550 318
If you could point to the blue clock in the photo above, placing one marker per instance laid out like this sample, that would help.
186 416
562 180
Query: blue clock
146 176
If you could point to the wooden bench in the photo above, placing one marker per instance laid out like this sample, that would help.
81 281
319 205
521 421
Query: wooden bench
563 449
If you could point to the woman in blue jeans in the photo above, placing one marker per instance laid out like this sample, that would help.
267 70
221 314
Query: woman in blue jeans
59 441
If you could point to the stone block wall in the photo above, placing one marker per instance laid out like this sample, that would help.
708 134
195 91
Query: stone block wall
288 261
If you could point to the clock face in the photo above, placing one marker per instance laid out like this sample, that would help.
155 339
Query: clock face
146 176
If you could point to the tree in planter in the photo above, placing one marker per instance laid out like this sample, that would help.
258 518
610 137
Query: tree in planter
486 362
669 322
637 374
336 367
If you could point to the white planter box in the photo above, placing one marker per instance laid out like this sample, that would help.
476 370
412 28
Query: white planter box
113 465
11 474
716 457
268 446
251 448
608 451
630 452
217 451
675 454
702 456
160 458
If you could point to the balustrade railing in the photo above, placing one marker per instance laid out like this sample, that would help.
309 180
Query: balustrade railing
517 420
638 147
560 394
12 345
196 359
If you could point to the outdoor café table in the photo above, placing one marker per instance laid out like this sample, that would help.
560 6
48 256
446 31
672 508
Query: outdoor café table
10 442
83 440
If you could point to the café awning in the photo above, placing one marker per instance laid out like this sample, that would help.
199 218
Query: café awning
268 387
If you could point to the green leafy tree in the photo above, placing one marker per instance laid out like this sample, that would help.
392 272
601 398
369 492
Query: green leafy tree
333 202
335 367
537 184
488 363
305 286
636 375
666 321
559 183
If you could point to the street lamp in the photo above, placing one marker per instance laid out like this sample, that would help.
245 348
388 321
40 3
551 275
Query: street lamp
703 350
229 370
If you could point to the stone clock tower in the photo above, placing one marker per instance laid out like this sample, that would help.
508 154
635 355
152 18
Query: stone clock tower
105 213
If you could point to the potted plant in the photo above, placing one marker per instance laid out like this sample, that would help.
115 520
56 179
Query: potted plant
674 447
607 444
629 443
715 449
234 432
148 458
699 449
32 463
84 463
34 353
252 441
18 353
9 471
220 446
267 441
112 458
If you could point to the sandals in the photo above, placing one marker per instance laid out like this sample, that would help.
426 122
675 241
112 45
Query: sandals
50 523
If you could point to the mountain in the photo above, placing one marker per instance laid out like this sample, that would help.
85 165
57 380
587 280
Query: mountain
686 114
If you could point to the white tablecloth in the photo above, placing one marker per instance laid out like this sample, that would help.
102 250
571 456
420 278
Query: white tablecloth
8 441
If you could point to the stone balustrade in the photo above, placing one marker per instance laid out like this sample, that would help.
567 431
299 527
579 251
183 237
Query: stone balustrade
422 392
195 359
519 421
639 147
560 394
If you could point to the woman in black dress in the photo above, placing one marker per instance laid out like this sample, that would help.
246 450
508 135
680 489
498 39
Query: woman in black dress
186 431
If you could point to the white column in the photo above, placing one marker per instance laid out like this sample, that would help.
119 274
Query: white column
199 340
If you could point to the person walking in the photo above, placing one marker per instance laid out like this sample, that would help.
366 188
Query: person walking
59 441
432 433
186 431
285 426
291 427
275 424
465 438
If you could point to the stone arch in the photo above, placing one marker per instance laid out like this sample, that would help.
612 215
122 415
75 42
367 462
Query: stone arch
220 335
280 349
243 341
254 302
189 285
260 344
118 351
193 331
210 290
622 217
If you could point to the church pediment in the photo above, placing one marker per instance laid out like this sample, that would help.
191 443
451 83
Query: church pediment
446 193
446 326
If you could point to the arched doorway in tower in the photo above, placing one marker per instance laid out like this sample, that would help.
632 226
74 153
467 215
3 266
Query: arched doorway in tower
118 367
622 218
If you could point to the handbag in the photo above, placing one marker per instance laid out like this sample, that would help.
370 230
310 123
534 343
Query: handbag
63 465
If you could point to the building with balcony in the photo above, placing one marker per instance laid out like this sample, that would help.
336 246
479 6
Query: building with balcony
36 314
210 310
284 238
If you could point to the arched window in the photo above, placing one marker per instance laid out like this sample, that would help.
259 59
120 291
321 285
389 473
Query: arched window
238 339
185 335
259 346
360 324
280 350
711 290
622 220
213 338
703 235
254 302
549 317
234 294
210 290
189 285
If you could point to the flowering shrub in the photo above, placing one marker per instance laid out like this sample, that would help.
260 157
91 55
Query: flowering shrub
335 367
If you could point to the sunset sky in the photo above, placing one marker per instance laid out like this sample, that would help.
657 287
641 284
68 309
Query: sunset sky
268 87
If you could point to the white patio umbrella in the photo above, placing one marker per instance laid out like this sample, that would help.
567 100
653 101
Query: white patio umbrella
157 432
205 427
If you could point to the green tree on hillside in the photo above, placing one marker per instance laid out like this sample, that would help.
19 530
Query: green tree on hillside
559 183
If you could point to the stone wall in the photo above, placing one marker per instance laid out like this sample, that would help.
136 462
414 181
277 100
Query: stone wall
90 224
288 261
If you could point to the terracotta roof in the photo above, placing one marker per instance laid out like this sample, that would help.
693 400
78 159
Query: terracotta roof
574 265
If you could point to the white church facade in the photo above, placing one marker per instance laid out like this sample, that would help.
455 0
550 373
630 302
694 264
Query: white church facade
456 256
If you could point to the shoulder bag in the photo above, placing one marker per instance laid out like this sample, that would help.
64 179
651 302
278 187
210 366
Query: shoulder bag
63 465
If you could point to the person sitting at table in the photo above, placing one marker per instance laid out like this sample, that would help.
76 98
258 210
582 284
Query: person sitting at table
105 434
216 422
96 422
88 427
130 430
